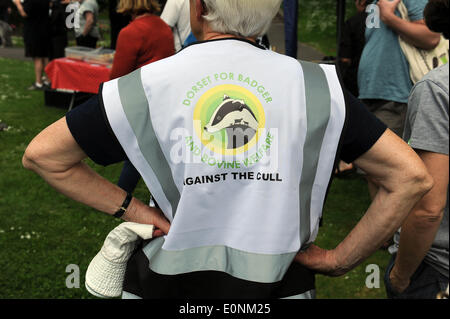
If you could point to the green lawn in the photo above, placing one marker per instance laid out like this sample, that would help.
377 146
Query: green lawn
41 231
317 23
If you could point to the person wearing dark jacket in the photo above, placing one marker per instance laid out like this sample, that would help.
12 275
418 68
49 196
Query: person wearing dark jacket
350 50
117 22
5 10
351 47
58 29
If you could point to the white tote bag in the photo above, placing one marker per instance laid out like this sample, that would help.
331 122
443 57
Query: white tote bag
422 61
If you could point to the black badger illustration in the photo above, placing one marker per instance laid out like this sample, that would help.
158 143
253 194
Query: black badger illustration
237 119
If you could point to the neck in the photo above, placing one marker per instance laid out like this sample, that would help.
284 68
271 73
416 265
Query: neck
135 17
216 35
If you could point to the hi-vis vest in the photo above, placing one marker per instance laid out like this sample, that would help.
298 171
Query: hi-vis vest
237 146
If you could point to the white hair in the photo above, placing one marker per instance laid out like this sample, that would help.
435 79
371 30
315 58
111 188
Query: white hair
246 18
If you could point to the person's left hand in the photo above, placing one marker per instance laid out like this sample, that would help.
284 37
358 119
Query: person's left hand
387 9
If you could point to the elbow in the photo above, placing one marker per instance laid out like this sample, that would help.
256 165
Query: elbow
29 158
422 182
33 157
432 42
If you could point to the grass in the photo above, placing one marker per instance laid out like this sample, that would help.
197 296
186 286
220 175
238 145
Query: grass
42 232
317 23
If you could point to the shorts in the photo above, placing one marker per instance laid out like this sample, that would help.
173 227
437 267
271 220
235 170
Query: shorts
426 283
391 113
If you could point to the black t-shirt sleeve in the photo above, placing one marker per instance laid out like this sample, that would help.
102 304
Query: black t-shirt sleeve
362 129
91 130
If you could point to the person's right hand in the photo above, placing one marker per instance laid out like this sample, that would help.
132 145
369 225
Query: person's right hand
320 260
387 9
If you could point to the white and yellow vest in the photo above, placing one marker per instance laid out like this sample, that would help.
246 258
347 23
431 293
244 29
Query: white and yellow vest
237 146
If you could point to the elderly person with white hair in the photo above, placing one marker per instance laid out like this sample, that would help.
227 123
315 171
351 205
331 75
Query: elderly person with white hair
237 145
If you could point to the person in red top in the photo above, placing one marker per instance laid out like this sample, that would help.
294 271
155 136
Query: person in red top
145 40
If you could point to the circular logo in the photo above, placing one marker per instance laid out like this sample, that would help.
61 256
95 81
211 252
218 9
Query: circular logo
228 119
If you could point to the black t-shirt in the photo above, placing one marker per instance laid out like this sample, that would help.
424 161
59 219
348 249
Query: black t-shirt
90 128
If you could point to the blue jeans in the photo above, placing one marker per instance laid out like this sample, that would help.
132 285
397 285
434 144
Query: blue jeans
290 8
129 177
426 283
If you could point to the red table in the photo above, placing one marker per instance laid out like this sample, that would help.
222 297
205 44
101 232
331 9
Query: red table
76 75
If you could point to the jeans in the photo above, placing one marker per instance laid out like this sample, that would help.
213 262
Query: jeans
129 177
290 8
426 283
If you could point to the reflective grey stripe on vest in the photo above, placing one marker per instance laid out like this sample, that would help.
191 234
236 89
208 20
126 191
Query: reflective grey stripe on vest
318 109
136 108
247 266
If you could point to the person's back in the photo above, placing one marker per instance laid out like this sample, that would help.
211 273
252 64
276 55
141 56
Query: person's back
176 15
145 40
222 209
88 6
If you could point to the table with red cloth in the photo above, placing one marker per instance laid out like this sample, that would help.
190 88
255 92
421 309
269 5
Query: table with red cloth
78 76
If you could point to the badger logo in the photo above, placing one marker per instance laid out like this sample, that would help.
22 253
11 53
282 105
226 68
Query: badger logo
237 119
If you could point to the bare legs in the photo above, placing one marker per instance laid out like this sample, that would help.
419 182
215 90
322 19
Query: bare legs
39 65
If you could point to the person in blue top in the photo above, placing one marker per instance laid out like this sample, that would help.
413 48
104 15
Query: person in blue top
383 76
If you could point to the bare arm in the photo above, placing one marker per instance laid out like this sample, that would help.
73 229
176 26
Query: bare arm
415 33
421 226
89 23
57 158
403 180
20 8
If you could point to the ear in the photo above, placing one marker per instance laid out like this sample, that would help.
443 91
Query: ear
200 9
226 97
